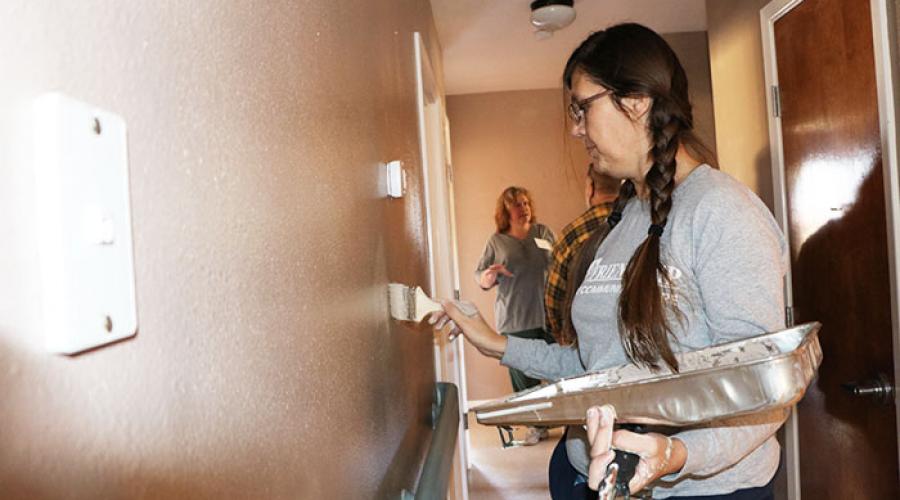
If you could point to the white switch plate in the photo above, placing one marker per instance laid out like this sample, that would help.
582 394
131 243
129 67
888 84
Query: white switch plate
396 179
84 225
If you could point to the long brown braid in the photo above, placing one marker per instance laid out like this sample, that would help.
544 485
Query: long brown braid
633 61
644 327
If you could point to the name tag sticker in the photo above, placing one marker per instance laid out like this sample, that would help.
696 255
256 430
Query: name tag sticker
543 244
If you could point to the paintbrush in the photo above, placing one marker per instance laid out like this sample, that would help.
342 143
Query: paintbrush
410 303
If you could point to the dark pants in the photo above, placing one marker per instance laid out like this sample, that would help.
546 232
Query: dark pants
566 483
519 380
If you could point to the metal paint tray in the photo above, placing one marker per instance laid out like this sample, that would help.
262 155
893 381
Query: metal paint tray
759 373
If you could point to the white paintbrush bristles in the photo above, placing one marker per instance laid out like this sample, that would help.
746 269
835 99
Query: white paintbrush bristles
398 300
411 304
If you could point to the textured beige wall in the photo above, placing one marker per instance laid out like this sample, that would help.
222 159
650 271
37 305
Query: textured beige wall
738 84
265 365
517 138
693 52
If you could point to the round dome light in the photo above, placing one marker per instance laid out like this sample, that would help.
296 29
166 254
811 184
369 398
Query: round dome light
552 15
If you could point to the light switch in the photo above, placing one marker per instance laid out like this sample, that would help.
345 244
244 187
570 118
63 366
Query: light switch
83 225
396 179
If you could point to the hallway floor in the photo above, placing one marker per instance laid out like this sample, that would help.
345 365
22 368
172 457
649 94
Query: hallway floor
513 473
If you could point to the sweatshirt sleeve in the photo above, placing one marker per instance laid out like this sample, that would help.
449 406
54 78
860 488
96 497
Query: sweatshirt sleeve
739 261
539 359
712 450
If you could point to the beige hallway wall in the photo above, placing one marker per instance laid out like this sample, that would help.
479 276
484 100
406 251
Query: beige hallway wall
738 85
692 49
517 138
265 365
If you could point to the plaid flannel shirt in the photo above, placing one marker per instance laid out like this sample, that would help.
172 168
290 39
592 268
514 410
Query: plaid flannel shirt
564 250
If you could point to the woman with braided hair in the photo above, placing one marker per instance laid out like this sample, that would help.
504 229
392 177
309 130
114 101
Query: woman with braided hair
689 258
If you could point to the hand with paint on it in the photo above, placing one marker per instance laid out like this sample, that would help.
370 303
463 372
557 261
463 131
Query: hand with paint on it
600 420
660 454
490 275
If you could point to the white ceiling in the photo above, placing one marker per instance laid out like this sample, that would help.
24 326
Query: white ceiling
489 45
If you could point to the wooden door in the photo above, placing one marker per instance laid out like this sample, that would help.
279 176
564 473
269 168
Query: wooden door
838 237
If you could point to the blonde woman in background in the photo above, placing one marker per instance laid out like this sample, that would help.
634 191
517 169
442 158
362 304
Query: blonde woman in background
515 260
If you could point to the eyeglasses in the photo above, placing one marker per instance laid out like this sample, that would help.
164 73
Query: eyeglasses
577 108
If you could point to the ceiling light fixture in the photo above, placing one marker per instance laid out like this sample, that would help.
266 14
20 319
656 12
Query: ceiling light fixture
548 16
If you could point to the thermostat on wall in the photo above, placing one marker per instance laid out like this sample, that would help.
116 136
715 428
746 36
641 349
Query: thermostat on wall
83 225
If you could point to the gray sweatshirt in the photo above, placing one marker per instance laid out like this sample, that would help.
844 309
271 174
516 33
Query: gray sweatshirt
727 258
520 297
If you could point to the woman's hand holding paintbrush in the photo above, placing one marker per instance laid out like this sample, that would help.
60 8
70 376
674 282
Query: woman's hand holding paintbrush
473 327
410 303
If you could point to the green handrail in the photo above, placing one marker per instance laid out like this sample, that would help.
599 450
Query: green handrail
435 476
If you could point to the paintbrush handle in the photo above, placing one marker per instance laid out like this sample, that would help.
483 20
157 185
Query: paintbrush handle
425 305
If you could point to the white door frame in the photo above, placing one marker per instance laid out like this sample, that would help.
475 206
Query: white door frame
768 15
458 343
884 34
439 218
885 39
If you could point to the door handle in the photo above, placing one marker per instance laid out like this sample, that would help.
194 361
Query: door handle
879 388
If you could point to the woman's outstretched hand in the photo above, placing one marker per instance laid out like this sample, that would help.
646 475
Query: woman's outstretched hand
473 327
489 275
660 455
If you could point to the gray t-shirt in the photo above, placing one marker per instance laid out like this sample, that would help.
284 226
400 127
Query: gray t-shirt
727 258
520 298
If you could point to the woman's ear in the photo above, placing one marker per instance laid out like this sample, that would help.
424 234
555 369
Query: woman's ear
637 107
